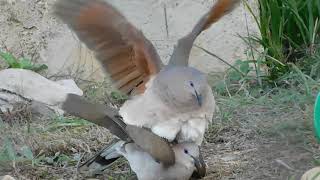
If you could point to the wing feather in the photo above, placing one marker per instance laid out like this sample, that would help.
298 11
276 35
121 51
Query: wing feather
124 52
181 52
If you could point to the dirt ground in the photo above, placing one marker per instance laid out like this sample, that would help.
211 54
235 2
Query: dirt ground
269 137
264 145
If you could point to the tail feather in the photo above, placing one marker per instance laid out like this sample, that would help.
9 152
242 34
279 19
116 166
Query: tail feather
97 163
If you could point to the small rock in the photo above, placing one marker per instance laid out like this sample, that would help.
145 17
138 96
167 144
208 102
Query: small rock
70 84
41 110
312 174
18 85
229 158
7 177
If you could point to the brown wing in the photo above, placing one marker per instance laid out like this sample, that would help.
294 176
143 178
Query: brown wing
181 52
156 146
127 56
109 118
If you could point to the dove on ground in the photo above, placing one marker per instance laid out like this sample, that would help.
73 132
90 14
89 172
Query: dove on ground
188 161
174 101
149 156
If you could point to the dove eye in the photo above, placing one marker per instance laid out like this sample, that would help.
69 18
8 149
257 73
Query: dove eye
186 151
191 84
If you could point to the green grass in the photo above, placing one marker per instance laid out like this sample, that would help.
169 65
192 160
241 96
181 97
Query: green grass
289 33
21 63
59 124
294 95
51 148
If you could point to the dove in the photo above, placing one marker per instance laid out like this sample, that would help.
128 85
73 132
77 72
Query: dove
188 161
149 156
175 101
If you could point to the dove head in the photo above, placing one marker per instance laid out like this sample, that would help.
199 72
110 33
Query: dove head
182 87
188 155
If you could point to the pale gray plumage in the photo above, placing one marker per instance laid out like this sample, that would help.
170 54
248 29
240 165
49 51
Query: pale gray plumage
177 104
188 160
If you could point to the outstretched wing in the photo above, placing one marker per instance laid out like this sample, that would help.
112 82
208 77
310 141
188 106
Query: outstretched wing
126 55
181 52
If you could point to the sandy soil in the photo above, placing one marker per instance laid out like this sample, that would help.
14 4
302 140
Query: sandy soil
29 29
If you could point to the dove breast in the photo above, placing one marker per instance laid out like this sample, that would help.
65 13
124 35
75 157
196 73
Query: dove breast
149 110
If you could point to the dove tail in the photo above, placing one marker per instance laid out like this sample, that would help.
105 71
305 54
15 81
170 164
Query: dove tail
102 159
221 8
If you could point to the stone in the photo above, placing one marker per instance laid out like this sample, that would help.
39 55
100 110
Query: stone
42 111
7 177
312 174
18 85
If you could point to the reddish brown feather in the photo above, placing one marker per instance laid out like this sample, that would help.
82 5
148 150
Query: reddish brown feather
138 80
221 8
114 67
122 74
127 56
129 77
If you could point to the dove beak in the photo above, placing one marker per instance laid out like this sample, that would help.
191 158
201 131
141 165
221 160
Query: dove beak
199 98
200 165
